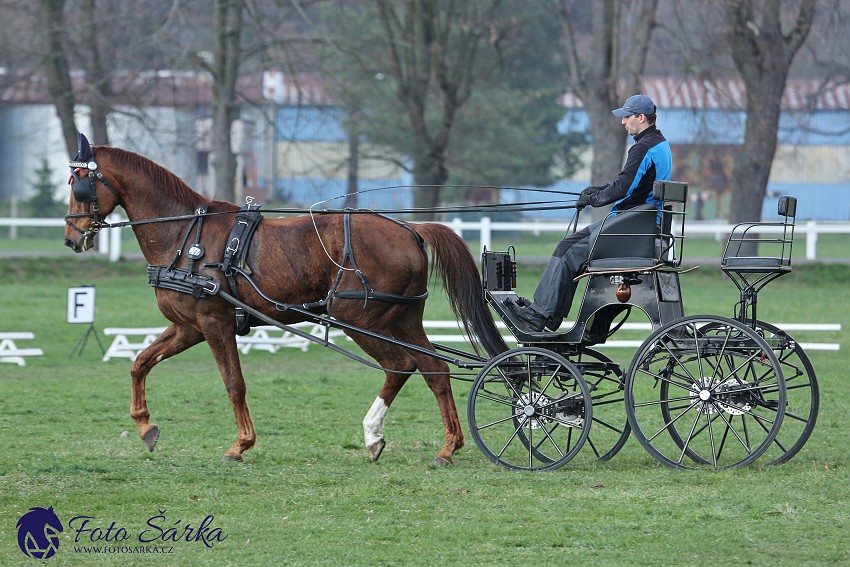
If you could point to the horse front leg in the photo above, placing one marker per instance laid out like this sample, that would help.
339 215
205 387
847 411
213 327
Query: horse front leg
174 340
222 343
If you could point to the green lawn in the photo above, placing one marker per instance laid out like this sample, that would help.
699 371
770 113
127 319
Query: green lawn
307 493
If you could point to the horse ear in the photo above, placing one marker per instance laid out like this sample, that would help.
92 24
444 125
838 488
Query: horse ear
84 152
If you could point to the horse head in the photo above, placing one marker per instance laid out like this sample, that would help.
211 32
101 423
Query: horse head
92 199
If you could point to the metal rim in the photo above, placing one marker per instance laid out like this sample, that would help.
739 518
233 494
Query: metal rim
529 409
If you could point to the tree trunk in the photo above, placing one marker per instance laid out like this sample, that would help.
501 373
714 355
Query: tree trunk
226 55
763 53
97 82
751 168
57 71
353 170
429 174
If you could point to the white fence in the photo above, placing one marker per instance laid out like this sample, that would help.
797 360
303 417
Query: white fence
129 342
810 230
109 242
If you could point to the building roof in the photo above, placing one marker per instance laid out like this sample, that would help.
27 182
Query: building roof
170 88
729 94
193 88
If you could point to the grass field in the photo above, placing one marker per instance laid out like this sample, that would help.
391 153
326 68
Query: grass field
308 495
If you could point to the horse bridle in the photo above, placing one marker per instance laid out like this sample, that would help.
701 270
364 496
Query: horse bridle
85 191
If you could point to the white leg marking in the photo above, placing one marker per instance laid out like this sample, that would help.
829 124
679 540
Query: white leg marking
373 423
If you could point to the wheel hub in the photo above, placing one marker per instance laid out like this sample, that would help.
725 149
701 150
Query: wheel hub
729 396
736 400
544 409
532 410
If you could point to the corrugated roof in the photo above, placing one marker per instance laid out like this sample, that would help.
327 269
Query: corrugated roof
191 88
171 88
729 94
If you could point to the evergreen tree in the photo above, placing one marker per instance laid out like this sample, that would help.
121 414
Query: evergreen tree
42 203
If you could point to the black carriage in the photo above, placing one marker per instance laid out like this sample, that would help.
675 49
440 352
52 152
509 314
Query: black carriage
702 391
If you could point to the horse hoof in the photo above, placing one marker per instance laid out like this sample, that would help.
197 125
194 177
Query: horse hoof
375 450
441 462
151 438
237 458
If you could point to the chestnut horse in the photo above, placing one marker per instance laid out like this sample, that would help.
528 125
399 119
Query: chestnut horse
293 260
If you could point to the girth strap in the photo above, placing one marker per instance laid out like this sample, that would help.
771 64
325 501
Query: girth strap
247 220
180 279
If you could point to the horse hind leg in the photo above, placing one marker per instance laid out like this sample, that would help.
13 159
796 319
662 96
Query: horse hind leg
436 374
435 371
400 366
174 340
373 428
403 364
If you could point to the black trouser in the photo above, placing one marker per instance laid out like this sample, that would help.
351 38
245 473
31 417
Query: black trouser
554 294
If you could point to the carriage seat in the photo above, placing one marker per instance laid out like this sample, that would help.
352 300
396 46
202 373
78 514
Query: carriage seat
626 242
756 263
636 232
750 250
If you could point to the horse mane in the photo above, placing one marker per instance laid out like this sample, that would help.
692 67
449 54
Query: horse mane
164 180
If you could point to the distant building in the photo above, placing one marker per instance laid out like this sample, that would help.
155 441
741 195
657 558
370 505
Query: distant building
292 147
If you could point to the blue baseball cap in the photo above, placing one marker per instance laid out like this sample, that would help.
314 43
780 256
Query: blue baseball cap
636 104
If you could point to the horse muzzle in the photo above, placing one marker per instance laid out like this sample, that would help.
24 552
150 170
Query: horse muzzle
83 243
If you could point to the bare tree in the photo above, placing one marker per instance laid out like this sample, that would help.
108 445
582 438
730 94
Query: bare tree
57 70
762 50
605 62
227 23
432 53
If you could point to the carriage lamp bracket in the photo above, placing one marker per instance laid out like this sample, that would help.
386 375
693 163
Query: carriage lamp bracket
499 270
624 286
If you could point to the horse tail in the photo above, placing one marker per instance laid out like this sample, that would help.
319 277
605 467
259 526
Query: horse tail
452 258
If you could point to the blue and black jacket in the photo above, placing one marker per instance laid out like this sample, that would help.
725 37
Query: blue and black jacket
649 160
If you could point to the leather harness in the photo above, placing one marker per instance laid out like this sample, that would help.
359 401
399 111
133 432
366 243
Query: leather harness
235 262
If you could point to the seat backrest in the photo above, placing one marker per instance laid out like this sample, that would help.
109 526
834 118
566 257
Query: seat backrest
633 238
629 234
674 195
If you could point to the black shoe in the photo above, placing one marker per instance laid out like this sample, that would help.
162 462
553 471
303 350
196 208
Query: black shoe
525 314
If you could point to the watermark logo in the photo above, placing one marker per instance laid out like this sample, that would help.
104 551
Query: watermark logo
38 533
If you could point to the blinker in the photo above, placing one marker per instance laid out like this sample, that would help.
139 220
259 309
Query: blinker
82 188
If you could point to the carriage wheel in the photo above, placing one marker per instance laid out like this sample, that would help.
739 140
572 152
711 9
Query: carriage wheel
529 409
610 429
705 392
802 394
